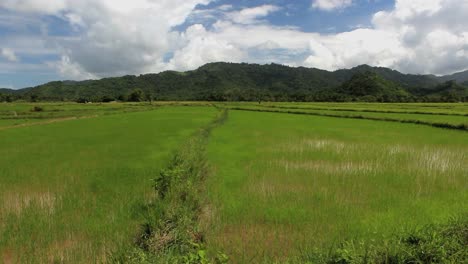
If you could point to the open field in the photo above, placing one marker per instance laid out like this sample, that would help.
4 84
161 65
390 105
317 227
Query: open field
31 113
71 191
285 184
185 182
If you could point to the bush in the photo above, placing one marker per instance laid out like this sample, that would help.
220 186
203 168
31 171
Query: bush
82 100
446 243
37 109
107 99
136 96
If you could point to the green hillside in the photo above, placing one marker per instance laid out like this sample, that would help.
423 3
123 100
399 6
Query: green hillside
370 86
250 82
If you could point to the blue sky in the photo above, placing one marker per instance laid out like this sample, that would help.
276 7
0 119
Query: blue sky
301 14
45 40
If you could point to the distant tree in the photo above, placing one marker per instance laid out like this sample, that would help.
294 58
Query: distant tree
82 100
122 98
149 97
33 98
107 99
135 96
368 98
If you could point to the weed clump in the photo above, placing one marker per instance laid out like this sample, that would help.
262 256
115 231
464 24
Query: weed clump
446 243
37 109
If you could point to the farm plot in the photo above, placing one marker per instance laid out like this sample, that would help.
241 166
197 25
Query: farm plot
72 191
448 119
286 185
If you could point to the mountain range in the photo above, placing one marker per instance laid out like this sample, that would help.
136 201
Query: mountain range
251 82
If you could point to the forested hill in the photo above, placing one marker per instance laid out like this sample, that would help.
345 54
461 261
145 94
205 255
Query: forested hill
253 82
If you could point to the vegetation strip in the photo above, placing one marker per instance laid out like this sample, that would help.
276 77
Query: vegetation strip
463 127
365 110
171 232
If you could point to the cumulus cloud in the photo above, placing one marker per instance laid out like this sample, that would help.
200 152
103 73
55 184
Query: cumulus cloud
433 33
116 37
34 6
8 54
416 36
251 15
329 5
203 47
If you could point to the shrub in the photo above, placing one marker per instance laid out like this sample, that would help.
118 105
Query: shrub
107 99
82 100
446 243
37 109
136 96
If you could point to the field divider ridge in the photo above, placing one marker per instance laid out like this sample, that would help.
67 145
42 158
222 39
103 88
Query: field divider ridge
462 127
364 110
171 232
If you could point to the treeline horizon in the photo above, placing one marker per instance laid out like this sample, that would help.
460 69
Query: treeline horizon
252 82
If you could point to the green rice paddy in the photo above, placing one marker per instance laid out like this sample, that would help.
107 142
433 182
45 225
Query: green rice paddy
284 179
71 191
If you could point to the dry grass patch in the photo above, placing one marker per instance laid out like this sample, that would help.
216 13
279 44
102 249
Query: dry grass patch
245 242
15 202
323 166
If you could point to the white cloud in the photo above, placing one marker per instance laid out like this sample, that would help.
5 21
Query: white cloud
251 15
116 37
71 69
430 36
203 47
8 54
329 5
434 34
35 6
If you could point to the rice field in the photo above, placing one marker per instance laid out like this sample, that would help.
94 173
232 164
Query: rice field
287 184
278 180
448 118
72 191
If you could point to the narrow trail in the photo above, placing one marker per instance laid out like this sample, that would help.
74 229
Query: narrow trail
461 127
